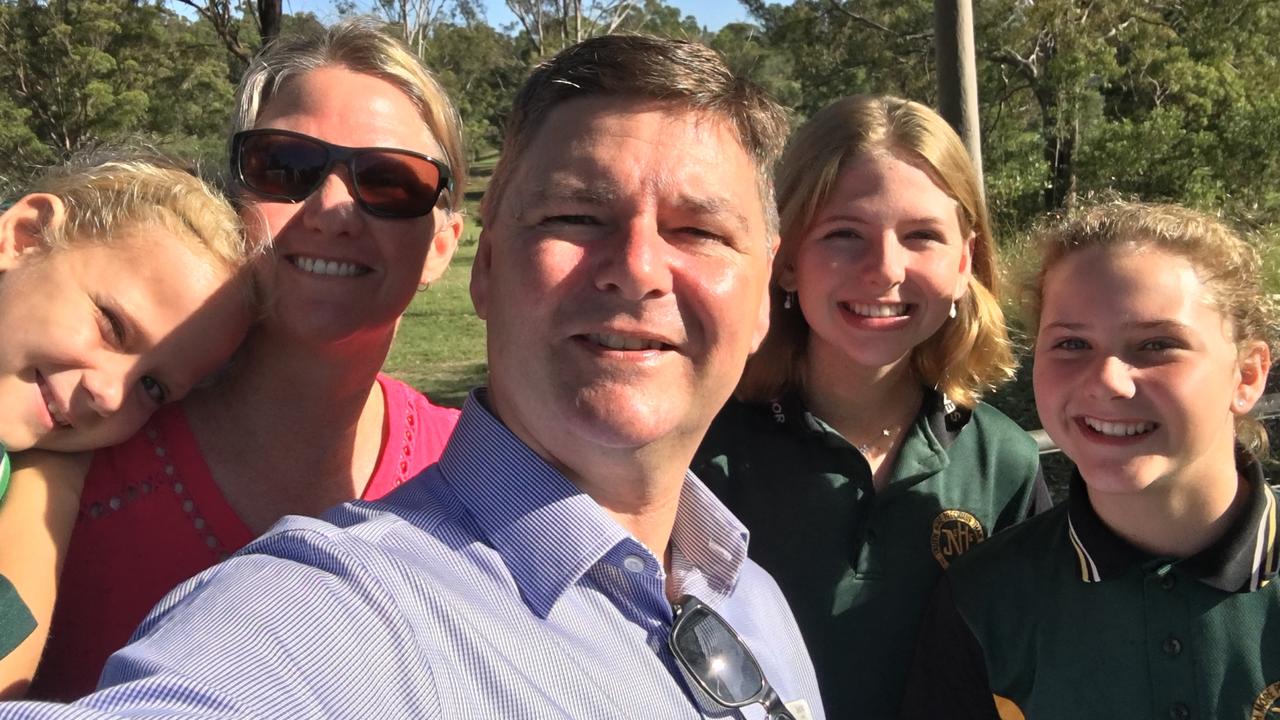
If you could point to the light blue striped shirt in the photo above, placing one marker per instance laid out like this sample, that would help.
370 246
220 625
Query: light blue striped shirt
488 587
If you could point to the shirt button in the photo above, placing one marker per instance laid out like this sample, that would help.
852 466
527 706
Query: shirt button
633 563
1171 646
1179 711
1168 582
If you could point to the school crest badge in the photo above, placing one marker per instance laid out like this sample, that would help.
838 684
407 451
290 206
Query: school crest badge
954 532
1267 706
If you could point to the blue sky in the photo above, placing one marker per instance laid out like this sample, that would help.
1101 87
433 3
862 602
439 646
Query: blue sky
713 14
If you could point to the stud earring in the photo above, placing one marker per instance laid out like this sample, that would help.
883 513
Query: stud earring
789 300
953 310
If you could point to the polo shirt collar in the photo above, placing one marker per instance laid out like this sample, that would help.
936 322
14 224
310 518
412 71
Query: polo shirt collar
1244 559
549 533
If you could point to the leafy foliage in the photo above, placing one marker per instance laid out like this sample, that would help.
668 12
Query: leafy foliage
87 72
1173 100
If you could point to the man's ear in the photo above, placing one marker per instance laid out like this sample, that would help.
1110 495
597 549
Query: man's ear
480 270
762 319
443 244
1255 360
22 226
762 322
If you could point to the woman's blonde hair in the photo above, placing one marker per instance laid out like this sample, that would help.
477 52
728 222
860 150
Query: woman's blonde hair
360 45
969 354
1229 268
103 198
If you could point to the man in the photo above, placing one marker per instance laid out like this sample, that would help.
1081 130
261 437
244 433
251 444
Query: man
532 573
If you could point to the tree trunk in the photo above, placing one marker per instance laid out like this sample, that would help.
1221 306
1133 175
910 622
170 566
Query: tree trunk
269 15
1059 152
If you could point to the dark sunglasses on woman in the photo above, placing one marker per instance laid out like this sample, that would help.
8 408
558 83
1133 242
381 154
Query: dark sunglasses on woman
386 182
712 655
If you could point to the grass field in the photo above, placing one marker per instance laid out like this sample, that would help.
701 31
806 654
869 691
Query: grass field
440 346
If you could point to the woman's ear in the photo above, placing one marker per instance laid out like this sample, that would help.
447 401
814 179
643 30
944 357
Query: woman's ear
1255 361
443 245
787 277
22 226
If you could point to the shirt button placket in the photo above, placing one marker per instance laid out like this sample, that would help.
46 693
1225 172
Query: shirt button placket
1168 628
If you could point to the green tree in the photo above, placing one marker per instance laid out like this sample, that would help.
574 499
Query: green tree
744 48
482 69
833 49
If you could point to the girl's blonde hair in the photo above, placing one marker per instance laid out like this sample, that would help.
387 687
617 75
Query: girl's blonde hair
968 355
1228 267
103 198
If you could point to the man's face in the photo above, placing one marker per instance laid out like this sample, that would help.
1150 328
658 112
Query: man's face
623 278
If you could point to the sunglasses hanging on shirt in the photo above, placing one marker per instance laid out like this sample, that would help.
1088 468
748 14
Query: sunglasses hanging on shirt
386 182
713 657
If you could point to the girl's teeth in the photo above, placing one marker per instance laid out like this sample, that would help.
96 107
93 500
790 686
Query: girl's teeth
1118 429
318 266
878 310
53 412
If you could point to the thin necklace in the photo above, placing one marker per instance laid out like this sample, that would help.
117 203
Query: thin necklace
869 445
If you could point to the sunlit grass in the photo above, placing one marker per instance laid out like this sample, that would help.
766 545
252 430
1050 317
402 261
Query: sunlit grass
440 346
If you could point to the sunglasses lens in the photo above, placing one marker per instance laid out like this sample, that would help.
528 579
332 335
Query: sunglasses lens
282 166
396 185
713 654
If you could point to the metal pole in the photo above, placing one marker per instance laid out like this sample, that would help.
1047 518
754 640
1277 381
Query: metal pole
958 73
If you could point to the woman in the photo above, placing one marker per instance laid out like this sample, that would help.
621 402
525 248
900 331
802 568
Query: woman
1151 592
348 155
857 451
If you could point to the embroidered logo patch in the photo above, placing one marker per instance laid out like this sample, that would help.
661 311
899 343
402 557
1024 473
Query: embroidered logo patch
1266 706
954 532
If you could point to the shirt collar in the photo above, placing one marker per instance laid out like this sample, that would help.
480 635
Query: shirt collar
1244 559
4 470
549 533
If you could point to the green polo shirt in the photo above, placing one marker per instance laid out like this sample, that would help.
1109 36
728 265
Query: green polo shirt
857 566
1061 618
16 622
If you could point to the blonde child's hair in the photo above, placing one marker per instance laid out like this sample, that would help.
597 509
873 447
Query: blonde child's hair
103 198
969 354
1228 267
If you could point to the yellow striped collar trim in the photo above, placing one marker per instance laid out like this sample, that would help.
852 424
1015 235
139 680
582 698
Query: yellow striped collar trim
1088 568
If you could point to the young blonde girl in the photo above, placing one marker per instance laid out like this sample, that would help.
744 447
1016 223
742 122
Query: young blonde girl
857 450
1149 593
120 290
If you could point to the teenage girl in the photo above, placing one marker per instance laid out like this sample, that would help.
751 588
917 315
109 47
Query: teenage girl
119 292
1150 592
857 451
